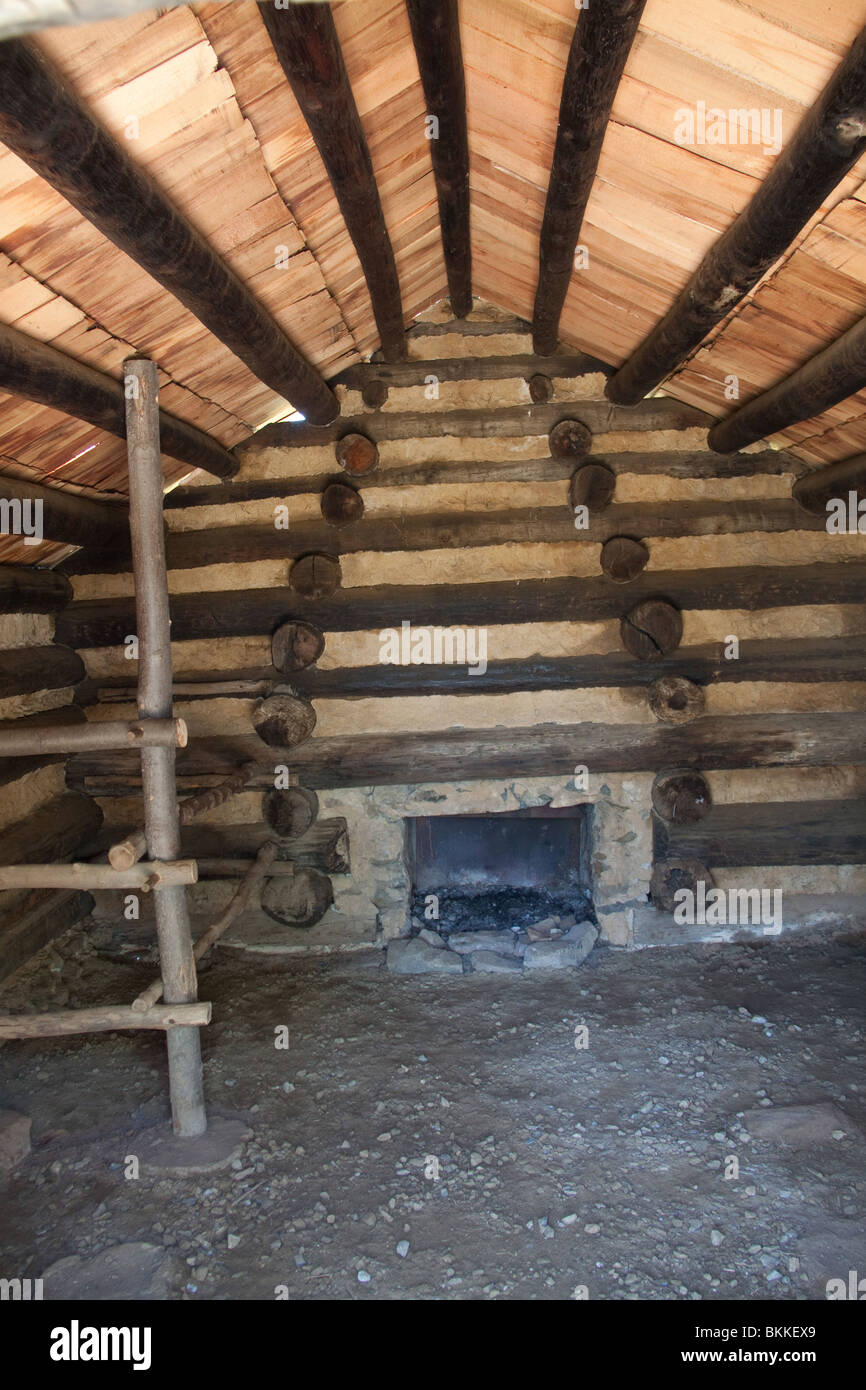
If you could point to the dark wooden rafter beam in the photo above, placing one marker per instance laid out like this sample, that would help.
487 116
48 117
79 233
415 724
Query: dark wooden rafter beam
832 376
602 40
306 43
39 372
816 489
45 124
24 590
66 516
435 28
827 143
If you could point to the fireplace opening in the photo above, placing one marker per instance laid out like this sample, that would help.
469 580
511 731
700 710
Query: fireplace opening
524 871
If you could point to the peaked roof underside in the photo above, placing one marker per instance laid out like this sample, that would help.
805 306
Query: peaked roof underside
197 96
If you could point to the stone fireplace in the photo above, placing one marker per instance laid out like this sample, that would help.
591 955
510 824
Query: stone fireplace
539 834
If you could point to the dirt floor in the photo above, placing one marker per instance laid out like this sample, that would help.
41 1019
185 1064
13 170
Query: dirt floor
452 1137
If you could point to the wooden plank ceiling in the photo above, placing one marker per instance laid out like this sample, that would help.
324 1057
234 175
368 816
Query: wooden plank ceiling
197 96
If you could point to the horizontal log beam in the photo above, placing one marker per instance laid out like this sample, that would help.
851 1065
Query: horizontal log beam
44 123
456 530
744 741
832 376
827 143
305 41
95 877
23 934
66 516
26 669
470 328
519 366
24 590
63 827
90 737
602 40
772 659
435 26
324 846
107 1019
660 413
252 612
805 832
237 868
809 660
814 490
673 463
39 372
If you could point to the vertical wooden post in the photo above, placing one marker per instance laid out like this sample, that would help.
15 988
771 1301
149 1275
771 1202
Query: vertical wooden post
162 824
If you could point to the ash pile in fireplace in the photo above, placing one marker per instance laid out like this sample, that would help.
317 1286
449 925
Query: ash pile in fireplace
497 909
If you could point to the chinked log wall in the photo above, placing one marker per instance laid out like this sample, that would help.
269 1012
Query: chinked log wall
467 522
39 820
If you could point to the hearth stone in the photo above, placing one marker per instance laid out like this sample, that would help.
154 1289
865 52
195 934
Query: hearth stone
432 938
551 955
492 963
415 957
504 943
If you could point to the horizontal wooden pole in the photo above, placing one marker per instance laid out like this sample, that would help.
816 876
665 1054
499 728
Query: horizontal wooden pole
802 832
39 372
64 515
107 1019
674 463
827 143
26 669
95 877
717 741
81 738
25 590
814 490
43 122
23 933
251 612
826 379
660 413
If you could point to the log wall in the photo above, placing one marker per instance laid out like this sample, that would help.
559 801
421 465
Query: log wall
39 819
467 522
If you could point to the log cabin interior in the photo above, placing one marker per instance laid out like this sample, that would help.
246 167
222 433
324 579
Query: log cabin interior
433 485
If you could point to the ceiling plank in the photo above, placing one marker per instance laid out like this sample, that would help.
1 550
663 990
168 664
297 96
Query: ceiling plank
44 124
39 372
826 145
